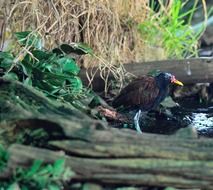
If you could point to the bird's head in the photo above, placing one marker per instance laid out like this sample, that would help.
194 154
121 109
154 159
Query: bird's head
164 79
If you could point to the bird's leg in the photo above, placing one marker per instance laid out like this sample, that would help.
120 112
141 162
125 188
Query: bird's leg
136 121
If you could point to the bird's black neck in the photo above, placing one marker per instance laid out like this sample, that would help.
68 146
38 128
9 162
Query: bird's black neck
162 84
163 90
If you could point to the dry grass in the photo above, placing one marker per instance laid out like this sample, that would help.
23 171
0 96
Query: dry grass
108 27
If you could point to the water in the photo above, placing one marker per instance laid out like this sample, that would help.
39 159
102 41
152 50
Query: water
202 122
198 116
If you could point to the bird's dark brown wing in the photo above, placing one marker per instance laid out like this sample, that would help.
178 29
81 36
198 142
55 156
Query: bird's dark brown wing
141 92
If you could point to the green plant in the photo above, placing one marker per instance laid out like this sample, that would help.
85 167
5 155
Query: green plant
53 72
39 176
3 157
166 26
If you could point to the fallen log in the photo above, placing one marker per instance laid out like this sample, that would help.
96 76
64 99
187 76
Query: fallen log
97 153
114 163
188 70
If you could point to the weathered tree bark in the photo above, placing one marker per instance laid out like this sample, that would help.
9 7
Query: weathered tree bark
117 163
187 70
98 153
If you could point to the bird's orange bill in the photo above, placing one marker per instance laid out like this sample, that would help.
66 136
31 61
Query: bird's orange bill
177 82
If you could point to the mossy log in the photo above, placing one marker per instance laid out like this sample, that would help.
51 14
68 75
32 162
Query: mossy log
187 70
100 154
118 164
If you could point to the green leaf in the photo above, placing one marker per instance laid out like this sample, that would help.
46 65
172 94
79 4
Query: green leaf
13 186
69 65
5 55
62 92
42 180
77 48
83 47
95 102
34 168
76 85
53 187
26 68
28 81
55 91
57 51
4 156
55 80
6 60
42 55
58 167
46 170
46 85
29 38
11 76
24 187
49 67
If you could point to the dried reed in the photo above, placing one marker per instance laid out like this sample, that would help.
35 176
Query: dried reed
108 27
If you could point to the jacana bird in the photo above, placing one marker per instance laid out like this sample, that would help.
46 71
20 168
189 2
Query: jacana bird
145 94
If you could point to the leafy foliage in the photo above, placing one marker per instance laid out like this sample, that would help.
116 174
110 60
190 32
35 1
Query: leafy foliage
53 72
29 38
39 176
167 28
3 157
77 48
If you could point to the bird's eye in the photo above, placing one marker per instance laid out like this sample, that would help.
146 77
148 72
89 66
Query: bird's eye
172 79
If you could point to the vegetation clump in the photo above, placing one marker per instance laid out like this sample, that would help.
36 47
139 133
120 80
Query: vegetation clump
38 176
167 26
54 72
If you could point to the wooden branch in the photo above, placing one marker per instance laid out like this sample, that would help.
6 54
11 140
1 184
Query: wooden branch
189 71
111 114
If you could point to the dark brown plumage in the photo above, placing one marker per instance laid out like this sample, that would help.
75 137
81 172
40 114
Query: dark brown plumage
141 92
145 93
